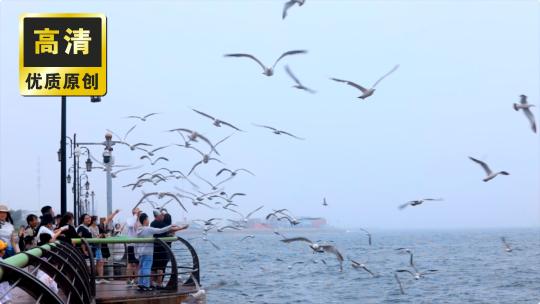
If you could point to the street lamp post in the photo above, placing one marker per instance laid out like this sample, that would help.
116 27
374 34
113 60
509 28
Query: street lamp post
108 161
92 194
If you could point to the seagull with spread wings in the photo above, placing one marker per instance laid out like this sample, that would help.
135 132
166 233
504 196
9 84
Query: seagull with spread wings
298 84
205 159
217 122
526 107
289 4
489 174
125 136
279 132
367 92
363 266
161 195
142 118
419 202
318 248
368 235
153 162
193 136
268 71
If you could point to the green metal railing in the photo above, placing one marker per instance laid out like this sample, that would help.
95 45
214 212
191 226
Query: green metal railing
75 274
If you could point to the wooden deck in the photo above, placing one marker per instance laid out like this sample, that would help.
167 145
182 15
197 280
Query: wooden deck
118 292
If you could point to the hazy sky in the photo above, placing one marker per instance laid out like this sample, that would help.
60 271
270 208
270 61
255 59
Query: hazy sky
463 64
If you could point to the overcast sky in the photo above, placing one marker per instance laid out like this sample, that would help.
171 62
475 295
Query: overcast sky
462 65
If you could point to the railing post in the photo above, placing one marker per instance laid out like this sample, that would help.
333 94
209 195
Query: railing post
195 258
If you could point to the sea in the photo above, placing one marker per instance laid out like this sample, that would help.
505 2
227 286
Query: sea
472 267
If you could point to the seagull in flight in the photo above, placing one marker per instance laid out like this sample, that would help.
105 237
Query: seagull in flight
357 265
419 202
489 173
217 122
507 247
114 174
143 118
289 4
161 195
298 84
318 248
251 236
193 136
120 139
411 262
416 274
205 159
153 162
526 107
268 71
279 132
367 92
368 235
245 218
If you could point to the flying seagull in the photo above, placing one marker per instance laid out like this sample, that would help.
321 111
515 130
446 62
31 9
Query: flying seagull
507 247
193 136
411 255
367 92
279 132
298 84
357 265
125 136
318 248
114 174
142 118
289 4
153 162
161 195
416 274
368 235
217 122
526 107
205 159
489 173
268 71
419 202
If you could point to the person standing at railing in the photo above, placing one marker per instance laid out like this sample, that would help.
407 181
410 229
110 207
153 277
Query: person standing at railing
145 250
71 233
132 225
161 258
47 232
28 236
85 231
7 231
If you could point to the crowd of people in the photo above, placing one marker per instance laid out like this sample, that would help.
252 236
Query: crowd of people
145 261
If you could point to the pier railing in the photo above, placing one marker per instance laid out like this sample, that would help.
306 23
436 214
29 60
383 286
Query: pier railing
62 273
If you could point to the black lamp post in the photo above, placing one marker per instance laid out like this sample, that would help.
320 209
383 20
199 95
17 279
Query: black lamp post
87 186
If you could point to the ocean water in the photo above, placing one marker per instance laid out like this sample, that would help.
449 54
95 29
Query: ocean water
472 267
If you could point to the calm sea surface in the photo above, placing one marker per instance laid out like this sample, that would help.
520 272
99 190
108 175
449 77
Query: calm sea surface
472 267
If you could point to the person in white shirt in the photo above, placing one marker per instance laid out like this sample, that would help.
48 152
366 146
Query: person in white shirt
46 233
145 251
